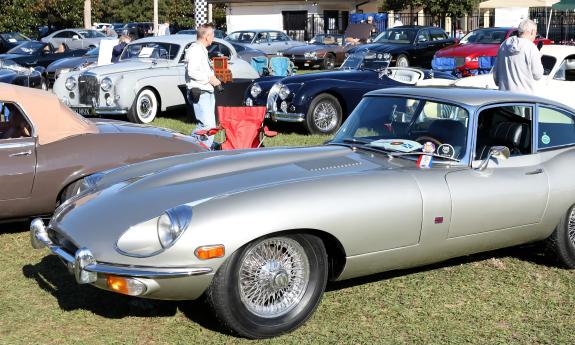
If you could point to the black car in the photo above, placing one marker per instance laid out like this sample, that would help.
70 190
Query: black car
13 73
72 63
34 53
9 40
322 101
409 45
138 30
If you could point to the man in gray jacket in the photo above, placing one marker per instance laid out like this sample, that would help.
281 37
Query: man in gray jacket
518 62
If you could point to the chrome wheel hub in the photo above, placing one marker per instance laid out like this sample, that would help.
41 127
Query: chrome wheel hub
571 226
273 277
145 107
325 116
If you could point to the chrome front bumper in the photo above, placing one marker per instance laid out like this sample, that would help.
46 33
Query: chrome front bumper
86 268
288 117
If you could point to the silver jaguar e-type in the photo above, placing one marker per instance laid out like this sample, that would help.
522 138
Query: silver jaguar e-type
414 176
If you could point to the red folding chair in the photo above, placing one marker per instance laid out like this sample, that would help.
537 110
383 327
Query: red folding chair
244 127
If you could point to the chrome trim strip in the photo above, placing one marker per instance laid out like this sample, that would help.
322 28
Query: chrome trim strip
103 111
16 145
288 117
38 233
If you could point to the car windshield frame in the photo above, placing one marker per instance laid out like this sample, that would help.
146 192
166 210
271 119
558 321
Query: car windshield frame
397 33
171 48
410 117
232 36
27 48
366 60
465 39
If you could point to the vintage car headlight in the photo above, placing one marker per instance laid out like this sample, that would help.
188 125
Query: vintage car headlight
255 90
249 102
284 92
106 84
87 183
70 83
155 235
310 55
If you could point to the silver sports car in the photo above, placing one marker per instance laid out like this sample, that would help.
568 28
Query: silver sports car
414 176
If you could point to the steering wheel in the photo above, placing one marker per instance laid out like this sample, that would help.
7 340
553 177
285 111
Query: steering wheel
422 139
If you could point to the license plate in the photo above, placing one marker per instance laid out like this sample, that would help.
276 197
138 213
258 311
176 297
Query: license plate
83 111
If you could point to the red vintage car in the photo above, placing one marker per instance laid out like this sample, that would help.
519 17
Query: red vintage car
468 53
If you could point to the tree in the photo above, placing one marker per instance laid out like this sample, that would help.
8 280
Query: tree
435 7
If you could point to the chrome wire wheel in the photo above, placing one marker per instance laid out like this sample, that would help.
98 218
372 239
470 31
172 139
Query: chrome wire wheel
571 226
325 116
273 277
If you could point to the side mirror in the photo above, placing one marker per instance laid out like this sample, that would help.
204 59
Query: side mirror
75 37
497 152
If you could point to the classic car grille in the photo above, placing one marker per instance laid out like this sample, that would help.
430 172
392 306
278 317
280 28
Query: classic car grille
61 241
89 89
272 98
51 77
459 61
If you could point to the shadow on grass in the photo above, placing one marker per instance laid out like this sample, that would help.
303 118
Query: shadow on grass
53 277
534 253
13 227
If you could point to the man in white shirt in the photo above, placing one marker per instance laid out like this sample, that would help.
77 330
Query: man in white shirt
200 79
397 21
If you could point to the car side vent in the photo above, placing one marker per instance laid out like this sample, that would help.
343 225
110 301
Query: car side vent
328 164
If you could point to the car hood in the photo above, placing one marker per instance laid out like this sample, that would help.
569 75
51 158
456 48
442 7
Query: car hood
72 62
305 49
351 74
6 75
380 48
463 50
128 65
203 177
10 56
115 126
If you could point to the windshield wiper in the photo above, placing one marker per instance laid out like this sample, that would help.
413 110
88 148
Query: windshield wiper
362 144
399 154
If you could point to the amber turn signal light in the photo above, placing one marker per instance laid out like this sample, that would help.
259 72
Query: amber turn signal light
126 286
210 252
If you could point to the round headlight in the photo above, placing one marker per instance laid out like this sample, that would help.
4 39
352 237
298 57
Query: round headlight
284 106
106 84
249 102
70 83
255 90
172 224
284 92
61 71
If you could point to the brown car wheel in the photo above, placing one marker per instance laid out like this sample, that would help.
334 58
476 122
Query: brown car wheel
270 286
328 61
561 243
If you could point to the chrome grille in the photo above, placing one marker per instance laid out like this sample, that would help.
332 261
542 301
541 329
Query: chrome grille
273 95
459 61
89 89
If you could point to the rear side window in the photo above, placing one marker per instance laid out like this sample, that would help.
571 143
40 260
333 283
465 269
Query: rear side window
556 128
438 35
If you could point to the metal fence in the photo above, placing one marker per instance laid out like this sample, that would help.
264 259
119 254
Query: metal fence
558 26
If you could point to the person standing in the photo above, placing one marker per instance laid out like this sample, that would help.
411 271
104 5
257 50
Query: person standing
518 63
200 82
110 32
119 48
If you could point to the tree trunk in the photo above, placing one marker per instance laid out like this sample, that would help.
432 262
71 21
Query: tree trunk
87 14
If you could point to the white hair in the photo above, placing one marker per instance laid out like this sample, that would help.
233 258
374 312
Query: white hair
526 25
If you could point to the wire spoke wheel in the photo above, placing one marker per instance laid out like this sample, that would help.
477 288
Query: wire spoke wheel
325 116
571 226
273 277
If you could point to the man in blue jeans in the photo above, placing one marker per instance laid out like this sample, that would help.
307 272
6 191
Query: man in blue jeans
200 75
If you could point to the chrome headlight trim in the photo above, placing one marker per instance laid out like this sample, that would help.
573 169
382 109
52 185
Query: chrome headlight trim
284 92
255 90
106 84
70 83
172 224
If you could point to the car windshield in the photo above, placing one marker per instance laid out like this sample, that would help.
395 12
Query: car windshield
91 34
150 50
241 36
548 63
407 126
14 37
326 39
367 60
485 36
27 48
396 36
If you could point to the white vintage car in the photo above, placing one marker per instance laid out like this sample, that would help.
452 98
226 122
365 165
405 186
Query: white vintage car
145 81
557 84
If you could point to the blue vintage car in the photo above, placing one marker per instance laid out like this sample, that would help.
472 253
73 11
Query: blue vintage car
13 73
321 101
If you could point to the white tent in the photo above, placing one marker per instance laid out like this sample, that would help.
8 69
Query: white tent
521 3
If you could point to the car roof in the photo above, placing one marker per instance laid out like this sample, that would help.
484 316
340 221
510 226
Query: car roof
468 96
556 50
416 27
182 39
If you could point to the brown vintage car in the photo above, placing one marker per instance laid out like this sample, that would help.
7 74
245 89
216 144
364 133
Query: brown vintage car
47 150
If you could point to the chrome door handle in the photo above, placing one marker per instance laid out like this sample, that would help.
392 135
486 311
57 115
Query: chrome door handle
534 172
23 153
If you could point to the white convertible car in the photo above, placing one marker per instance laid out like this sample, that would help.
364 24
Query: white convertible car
557 84
145 81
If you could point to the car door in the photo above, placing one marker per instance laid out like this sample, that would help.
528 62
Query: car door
423 49
262 43
507 193
17 154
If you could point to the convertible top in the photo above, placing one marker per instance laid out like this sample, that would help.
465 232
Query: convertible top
51 119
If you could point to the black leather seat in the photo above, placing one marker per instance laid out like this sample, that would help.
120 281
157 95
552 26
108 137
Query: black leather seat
516 136
450 132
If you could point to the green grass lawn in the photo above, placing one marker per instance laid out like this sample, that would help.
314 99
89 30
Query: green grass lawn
511 296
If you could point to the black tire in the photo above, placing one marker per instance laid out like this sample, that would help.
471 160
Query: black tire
328 62
44 84
324 115
402 61
561 244
145 108
231 304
